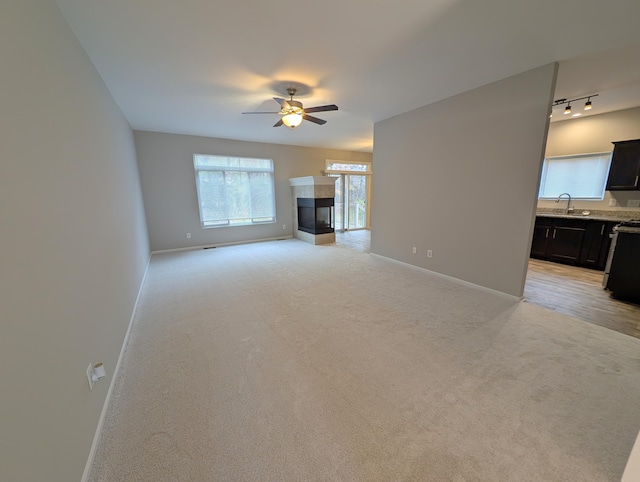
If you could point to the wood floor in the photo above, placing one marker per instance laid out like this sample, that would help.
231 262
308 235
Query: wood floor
578 292
359 240
566 289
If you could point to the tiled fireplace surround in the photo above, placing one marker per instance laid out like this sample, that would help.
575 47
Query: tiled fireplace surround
312 187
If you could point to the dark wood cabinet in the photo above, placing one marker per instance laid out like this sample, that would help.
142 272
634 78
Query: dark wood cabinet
566 243
565 240
596 242
577 241
558 239
624 275
624 174
540 242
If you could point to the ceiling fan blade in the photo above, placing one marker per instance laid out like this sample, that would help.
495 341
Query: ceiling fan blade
278 124
322 108
315 120
283 103
261 112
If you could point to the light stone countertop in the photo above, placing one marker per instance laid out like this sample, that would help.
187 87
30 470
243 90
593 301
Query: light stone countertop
594 215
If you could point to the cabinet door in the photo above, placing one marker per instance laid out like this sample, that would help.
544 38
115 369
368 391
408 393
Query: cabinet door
566 243
594 235
540 242
624 174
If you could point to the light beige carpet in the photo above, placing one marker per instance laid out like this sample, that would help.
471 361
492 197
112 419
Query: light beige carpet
284 361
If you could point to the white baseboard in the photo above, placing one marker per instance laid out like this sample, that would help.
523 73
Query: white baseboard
105 406
451 278
220 245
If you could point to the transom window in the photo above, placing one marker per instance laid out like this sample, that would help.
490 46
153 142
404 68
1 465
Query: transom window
347 166
584 176
234 191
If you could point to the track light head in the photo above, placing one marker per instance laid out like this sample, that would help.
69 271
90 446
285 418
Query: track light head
567 109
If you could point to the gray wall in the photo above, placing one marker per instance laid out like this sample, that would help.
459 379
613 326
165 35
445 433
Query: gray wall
169 189
460 177
73 243
594 134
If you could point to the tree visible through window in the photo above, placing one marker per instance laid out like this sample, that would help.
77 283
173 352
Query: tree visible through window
352 193
234 191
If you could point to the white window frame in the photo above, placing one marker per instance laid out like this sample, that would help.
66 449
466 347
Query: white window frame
572 184
249 219
368 172
328 162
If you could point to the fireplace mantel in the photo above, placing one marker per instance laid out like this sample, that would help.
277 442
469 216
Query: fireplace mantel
313 181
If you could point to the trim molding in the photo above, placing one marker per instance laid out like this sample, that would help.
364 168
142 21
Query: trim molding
313 181
220 245
451 278
105 406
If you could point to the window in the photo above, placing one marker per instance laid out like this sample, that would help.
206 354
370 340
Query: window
234 191
584 176
347 166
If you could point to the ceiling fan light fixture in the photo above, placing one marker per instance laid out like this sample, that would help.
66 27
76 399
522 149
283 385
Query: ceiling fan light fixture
293 112
292 120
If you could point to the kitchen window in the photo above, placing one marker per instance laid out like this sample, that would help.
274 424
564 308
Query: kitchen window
234 191
584 176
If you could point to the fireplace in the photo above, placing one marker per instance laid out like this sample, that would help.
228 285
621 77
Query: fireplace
315 215
313 208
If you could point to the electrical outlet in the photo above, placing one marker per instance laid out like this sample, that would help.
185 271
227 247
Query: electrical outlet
633 203
188 235
429 253
414 250
284 226
90 375
612 202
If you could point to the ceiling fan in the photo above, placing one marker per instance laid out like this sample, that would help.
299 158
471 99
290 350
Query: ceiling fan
293 112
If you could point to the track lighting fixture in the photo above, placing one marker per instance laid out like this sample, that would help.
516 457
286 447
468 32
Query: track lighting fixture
567 109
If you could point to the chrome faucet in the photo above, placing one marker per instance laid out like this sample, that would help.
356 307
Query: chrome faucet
566 211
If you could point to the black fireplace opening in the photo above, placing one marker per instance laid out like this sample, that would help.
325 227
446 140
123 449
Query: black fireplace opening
315 215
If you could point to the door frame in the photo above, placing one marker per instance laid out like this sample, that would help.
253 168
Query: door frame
329 170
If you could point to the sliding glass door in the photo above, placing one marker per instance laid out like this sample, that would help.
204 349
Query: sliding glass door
352 194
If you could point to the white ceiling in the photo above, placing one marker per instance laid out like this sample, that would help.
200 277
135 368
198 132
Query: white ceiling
193 66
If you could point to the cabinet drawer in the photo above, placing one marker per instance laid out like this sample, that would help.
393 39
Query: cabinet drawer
570 223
